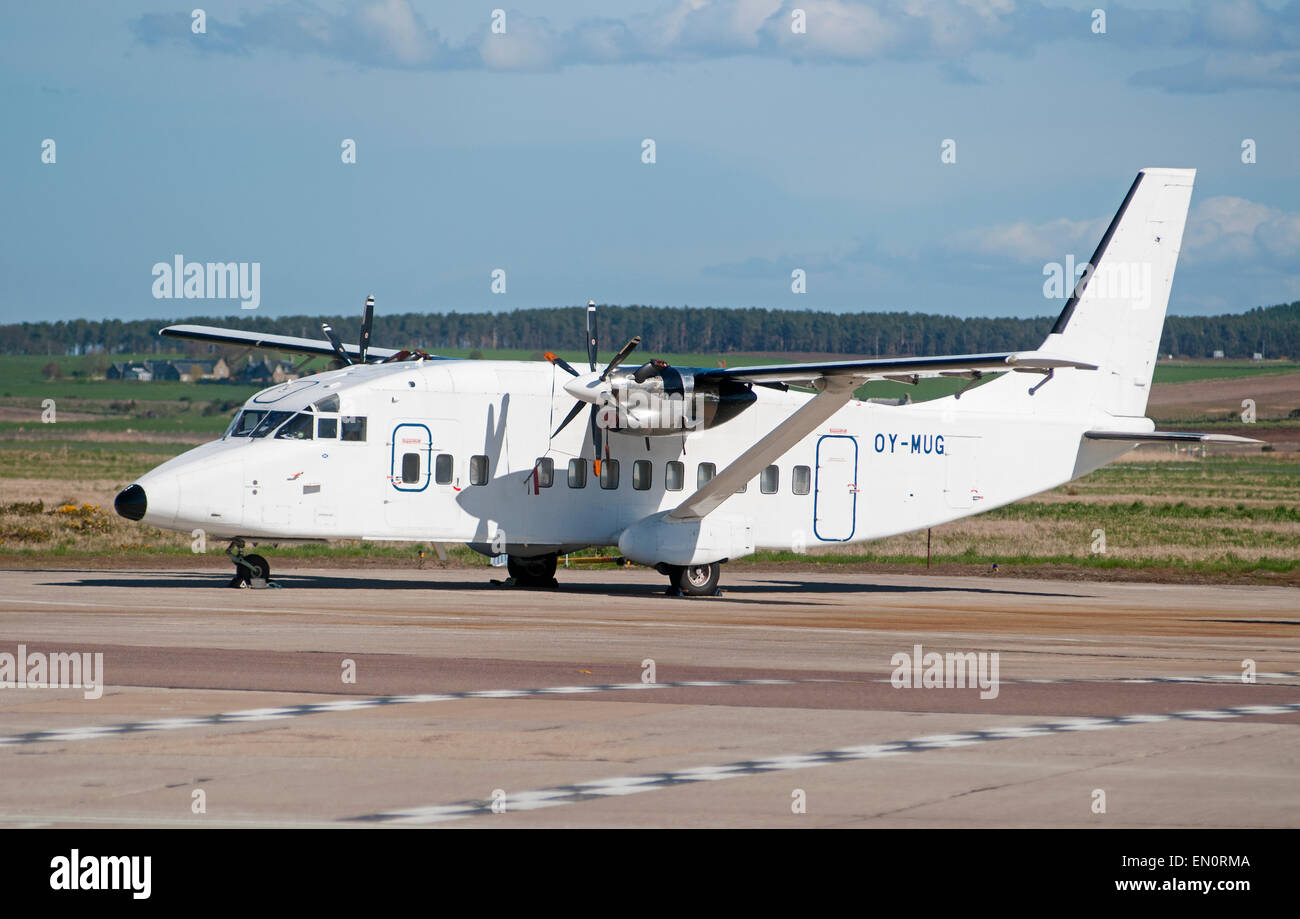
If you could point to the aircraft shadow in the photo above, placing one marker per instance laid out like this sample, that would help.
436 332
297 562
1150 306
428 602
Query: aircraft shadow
742 593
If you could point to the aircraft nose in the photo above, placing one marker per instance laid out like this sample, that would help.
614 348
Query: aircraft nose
131 503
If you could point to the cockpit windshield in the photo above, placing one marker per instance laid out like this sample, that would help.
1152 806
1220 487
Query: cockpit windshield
297 428
268 424
245 423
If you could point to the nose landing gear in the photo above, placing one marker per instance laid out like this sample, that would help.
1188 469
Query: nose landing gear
250 570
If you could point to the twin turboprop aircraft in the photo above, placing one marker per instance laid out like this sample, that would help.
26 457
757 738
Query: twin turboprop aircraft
682 468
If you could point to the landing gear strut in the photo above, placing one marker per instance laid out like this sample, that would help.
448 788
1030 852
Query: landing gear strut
693 580
534 571
250 570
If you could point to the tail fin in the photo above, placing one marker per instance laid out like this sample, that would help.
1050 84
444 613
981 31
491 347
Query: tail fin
1117 312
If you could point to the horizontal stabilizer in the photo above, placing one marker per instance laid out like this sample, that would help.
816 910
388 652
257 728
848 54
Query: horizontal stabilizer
288 344
1170 437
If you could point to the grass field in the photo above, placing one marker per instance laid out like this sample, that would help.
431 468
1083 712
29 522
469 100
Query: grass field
1165 513
1228 517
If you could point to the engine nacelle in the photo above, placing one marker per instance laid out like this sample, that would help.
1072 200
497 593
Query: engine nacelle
657 539
657 400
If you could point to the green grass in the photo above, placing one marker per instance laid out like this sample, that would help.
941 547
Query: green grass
1192 371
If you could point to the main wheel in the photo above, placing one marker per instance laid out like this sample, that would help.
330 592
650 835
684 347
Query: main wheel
534 571
698 580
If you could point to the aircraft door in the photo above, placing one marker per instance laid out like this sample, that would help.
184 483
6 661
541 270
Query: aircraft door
835 501
422 478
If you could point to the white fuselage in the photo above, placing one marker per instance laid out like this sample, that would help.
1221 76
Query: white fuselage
871 471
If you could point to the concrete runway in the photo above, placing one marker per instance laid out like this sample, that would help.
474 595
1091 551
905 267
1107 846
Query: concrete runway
477 707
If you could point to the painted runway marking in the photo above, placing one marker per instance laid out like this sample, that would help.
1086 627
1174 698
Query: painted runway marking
248 716
630 785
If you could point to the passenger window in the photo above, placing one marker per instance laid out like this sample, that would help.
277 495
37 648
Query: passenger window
478 470
642 473
298 428
410 468
545 467
354 428
327 428
674 476
328 404
801 481
770 480
442 469
704 474
609 474
577 473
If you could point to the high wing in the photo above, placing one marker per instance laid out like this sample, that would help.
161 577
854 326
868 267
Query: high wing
837 381
287 343
899 369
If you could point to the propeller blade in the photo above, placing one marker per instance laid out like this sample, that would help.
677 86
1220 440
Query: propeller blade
561 363
367 320
596 438
338 345
591 334
622 355
573 413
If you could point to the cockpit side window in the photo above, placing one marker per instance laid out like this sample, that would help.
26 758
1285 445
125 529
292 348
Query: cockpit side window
328 404
245 423
353 428
268 424
327 427
297 428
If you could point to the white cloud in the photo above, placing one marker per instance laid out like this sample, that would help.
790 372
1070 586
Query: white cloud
1023 241
1224 228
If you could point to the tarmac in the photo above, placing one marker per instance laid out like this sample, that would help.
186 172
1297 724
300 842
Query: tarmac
382 698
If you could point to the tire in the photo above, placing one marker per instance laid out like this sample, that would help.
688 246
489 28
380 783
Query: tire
263 569
698 580
534 571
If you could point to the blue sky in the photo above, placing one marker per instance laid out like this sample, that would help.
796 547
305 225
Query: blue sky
523 151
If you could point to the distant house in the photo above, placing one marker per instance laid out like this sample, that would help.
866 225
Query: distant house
163 370
1218 354
193 371
267 372
129 370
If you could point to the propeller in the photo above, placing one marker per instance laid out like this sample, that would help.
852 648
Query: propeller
367 320
338 345
590 390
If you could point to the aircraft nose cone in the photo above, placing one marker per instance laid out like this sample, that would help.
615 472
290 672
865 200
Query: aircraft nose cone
131 503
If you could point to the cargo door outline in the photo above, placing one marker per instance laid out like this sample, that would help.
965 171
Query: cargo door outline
835 486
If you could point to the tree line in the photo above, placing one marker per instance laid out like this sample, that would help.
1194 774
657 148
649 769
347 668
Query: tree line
1273 331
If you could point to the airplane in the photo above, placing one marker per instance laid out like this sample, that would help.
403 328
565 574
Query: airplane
683 468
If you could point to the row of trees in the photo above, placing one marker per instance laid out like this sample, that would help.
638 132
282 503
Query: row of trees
1274 330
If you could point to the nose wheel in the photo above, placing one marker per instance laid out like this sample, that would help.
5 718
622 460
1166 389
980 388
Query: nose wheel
250 570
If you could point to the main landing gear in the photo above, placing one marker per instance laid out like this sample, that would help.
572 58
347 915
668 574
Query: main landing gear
250 570
533 572
693 580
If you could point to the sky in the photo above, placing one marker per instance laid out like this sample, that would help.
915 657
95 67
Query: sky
515 159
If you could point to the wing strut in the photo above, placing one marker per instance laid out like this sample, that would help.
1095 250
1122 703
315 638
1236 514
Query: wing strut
836 393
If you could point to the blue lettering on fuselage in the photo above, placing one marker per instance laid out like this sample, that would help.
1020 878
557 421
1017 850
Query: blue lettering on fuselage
913 443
